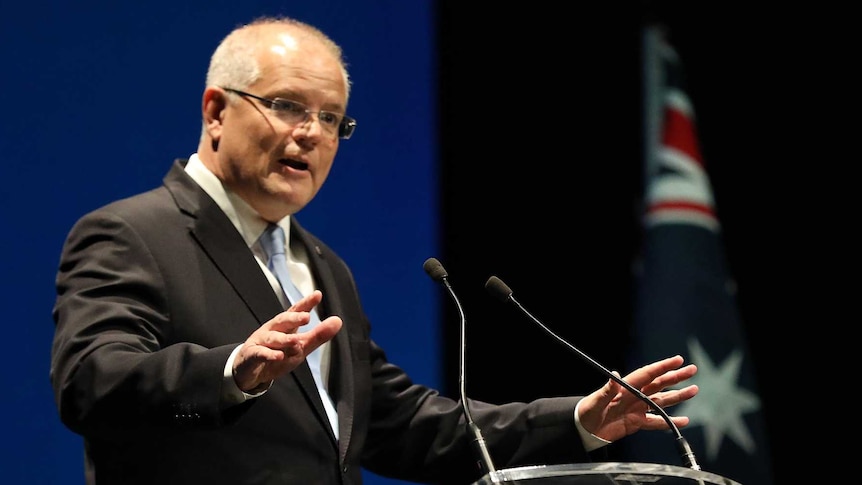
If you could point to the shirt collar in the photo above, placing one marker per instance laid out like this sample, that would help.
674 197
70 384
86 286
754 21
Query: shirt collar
247 221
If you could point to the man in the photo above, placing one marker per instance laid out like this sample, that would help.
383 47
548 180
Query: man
174 356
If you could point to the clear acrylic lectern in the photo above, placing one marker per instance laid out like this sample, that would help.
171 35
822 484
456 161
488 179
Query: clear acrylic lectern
610 473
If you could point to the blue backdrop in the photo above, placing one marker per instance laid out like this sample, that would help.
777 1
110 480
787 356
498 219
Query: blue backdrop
98 102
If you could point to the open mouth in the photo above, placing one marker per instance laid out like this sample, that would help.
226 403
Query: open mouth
294 164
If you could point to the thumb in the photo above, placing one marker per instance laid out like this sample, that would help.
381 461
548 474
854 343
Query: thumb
603 396
612 388
593 409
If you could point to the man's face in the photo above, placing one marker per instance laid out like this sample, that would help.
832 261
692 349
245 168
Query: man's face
275 165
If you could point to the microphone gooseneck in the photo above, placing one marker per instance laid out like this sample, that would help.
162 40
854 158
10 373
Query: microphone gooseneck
501 291
435 270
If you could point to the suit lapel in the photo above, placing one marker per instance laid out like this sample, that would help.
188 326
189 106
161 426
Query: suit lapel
215 233
218 237
341 378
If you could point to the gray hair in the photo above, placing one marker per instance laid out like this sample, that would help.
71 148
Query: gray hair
235 64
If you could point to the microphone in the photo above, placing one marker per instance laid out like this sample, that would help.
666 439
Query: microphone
501 291
436 271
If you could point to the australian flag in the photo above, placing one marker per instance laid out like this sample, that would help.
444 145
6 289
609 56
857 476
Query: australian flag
685 300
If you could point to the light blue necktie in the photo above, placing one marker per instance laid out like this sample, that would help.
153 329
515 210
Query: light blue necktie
272 242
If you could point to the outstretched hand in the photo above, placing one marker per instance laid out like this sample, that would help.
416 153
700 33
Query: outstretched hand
277 347
612 412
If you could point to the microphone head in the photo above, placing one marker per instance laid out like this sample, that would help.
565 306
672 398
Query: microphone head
435 269
498 289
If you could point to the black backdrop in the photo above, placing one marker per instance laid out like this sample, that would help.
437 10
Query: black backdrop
541 159
541 133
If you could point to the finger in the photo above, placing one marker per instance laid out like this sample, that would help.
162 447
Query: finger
287 321
656 422
268 343
320 334
253 356
666 400
256 364
308 302
262 354
670 379
607 393
646 374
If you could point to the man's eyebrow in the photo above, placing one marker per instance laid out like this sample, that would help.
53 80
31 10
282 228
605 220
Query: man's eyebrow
299 96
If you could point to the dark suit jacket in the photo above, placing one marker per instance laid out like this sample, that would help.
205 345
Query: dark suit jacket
153 294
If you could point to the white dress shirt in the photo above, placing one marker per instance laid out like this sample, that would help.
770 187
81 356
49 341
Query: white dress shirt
251 225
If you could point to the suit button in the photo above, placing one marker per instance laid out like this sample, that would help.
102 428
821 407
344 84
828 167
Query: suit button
344 470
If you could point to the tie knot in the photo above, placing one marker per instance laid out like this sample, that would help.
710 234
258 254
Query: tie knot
272 240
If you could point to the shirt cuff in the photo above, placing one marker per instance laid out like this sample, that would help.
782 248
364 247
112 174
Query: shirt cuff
591 441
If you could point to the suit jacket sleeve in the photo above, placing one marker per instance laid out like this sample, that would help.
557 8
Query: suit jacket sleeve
120 359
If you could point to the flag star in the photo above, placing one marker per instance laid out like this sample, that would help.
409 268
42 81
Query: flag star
720 403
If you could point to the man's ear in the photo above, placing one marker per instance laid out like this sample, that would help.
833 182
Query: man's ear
213 108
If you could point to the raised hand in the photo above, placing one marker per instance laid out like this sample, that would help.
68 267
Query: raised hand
611 412
277 348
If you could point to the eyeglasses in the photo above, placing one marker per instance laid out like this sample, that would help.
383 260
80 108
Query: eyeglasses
294 112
